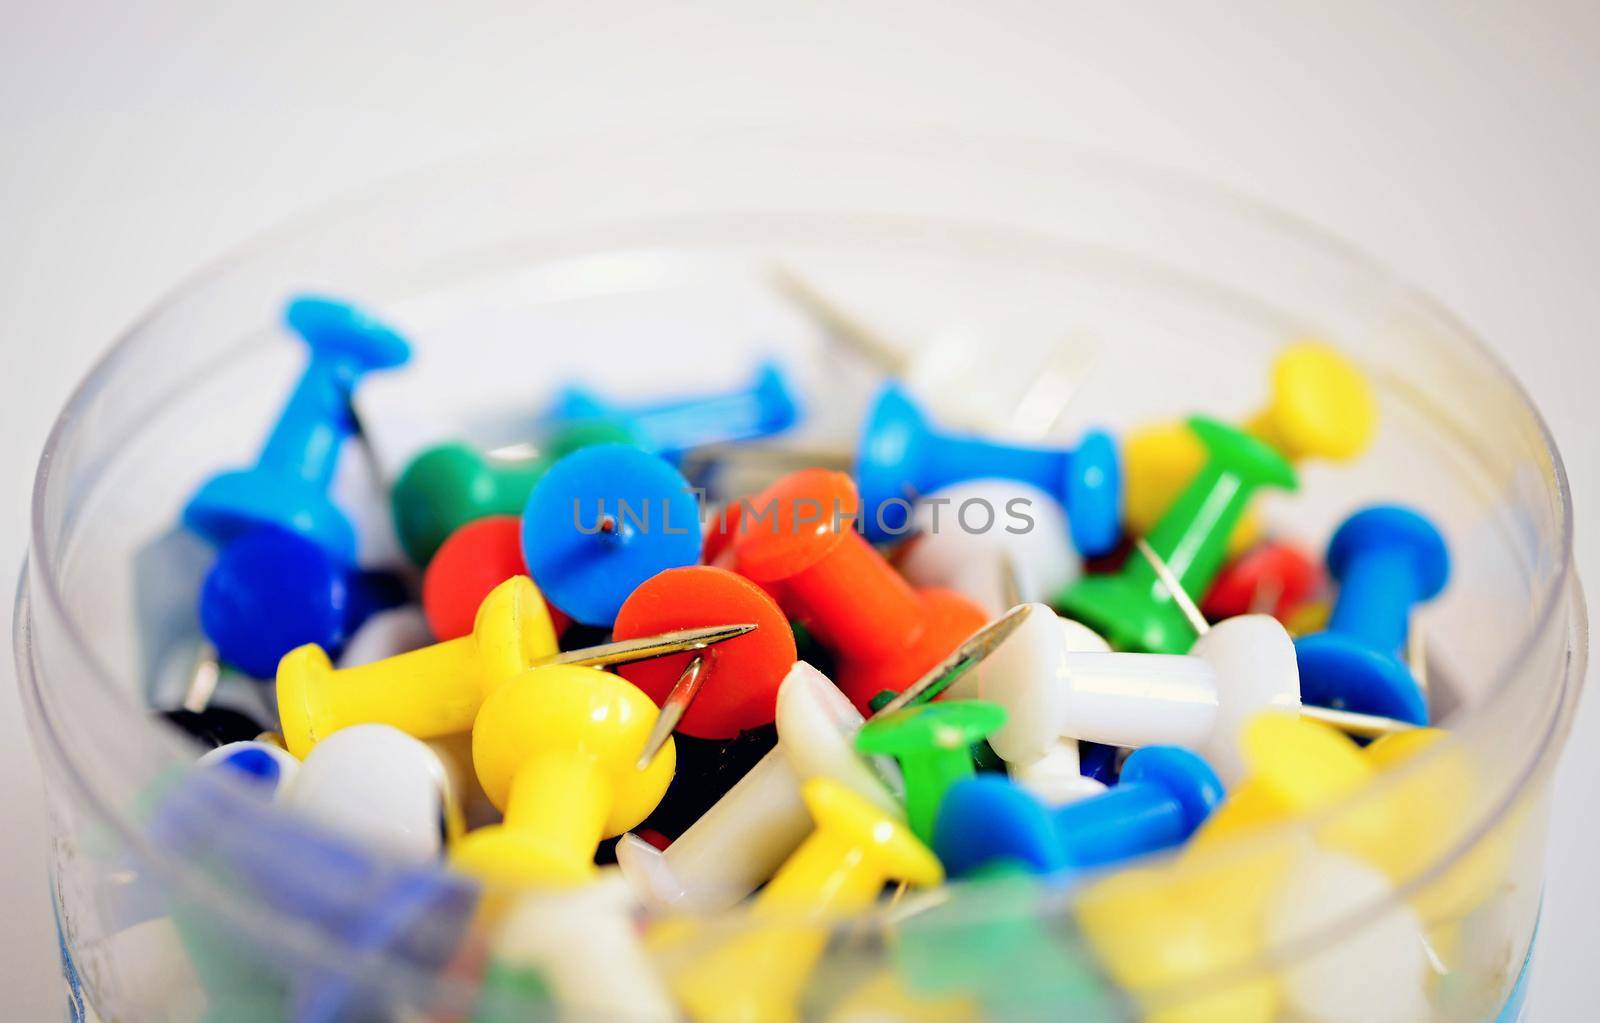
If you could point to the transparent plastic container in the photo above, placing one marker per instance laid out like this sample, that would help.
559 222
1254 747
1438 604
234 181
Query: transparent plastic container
645 266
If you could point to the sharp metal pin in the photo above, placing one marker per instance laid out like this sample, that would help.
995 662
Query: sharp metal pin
978 646
1265 600
203 679
887 356
1010 582
837 459
672 709
1042 406
1361 726
521 451
1180 596
626 651
1417 656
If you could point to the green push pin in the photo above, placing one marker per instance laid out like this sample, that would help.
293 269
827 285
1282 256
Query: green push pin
933 744
1133 609
450 485
991 942
512 993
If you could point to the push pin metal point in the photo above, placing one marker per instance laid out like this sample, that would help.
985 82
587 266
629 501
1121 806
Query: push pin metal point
1362 726
672 709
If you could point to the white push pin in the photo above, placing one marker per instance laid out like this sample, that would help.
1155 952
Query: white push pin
261 762
585 945
386 634
747 834
966 534
380 786
1060 683
1044 760
939 371
1375 973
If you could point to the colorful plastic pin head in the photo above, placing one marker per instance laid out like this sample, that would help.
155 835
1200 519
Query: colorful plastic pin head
603 520
380 787
271 590
426 693
555 749
797 536
467 567
1275 577
903 458
739 688
933 745
1164 794
450 485
288 485
765 407
1132 609
1321 407
1387 559
855 850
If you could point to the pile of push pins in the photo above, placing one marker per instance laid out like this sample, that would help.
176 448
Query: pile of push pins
795 706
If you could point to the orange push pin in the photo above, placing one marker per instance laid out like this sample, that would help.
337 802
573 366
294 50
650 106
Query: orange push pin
473 561
738 681
798 533
855 850
555 749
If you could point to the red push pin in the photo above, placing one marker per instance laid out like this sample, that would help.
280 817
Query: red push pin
798 535
474 560
735 686
1274 577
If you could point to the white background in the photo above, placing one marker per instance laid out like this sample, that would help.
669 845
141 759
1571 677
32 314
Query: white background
1457 141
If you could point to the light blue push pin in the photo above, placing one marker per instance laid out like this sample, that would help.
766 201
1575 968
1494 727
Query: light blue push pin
601 521
767 406
903 457
288 486
1387 559
1165 793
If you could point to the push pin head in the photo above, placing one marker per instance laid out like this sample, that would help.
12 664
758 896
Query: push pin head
740 680
1133 609
902 458
555 749
478 557
1387 559
603 520
1275 577
425 693
450 485
765 407
288 487
271 590
933 744
1164 794
1321 405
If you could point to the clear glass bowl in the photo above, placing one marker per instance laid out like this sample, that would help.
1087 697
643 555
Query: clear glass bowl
645 266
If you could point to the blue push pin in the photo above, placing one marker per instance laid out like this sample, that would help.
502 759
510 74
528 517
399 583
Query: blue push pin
288 486
1387 559
603 520
270 591
902 457
1165 793
766 407
415 916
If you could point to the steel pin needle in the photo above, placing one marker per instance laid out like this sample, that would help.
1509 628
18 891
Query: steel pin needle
1362 726
978 646
672 709
626 651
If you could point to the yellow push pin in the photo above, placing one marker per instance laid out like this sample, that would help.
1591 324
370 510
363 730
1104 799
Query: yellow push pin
1436 801
426 693
555 749
436 691
855 850
1167 933
1321 407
